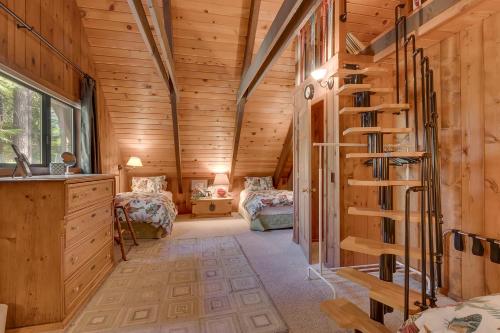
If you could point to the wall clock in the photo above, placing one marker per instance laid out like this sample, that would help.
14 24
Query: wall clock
309 91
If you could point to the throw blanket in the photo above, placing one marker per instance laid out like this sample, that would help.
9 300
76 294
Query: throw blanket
477 315
255 201
153 208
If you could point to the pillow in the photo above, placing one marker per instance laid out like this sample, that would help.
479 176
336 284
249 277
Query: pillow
148 184
259 183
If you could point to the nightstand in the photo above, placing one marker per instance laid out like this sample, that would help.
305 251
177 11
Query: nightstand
211 207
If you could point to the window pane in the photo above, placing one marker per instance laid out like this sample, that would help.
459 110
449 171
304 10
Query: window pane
61 129
20 121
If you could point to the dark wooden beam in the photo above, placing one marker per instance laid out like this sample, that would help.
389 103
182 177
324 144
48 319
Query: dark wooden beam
285 154
290 18
166 71
413 21
247 59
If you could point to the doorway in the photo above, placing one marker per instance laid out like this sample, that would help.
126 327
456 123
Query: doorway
317 135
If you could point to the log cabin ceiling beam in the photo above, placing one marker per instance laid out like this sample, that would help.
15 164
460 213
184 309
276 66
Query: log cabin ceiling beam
168 77
290 18
253 20
285 154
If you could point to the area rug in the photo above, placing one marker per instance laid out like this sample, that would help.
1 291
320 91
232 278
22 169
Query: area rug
183 286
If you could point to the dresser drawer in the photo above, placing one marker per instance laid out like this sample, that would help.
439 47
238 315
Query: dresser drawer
85 222
83 194
81 283
74 258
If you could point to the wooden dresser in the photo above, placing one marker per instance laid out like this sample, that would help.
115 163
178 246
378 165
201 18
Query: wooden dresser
56 246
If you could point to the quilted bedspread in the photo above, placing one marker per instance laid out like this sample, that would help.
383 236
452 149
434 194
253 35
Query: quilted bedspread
153 208
255 201
477 315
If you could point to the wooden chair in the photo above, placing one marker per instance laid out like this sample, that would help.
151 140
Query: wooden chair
119 238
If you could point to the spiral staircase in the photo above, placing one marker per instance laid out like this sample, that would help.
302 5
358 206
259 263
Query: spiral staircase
385 295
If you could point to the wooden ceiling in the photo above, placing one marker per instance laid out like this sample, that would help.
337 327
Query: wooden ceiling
209 38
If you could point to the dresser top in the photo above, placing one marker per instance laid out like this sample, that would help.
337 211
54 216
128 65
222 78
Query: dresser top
77 178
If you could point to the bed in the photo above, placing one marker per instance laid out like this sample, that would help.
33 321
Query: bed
477 315
264 207
149 207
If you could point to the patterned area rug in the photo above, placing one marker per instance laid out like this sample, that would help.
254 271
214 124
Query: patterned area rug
182 286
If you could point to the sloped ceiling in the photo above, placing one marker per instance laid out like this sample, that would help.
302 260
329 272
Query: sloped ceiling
209 38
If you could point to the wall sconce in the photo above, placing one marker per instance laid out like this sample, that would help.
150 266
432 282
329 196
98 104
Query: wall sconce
318 75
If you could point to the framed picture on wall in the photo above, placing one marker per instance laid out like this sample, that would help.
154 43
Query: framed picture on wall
201 184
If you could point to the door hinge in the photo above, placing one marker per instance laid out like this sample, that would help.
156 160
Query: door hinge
332 177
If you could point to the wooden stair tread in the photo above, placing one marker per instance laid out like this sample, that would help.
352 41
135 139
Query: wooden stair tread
383 130
376 108
401 154
397 215
348 315
368 71
385 292
402 182
351 88
376 248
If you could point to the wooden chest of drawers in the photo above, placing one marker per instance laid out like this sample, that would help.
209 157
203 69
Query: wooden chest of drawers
56 245
211 207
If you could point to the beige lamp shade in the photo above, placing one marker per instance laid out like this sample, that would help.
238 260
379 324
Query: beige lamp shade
134 162
221 179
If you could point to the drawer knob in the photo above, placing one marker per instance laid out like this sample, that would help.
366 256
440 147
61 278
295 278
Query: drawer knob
75 196
94 189
75 227
76 289
92 216
92 268
92 241
74 260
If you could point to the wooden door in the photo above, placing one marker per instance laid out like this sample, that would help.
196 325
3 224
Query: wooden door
317 135
302 181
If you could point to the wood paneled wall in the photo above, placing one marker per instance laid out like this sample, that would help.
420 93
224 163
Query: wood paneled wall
470 144
60 23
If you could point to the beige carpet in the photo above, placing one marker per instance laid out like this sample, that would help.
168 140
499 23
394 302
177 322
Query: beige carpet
277 262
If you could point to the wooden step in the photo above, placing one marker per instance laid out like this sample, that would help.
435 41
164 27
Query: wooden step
376 248
393 154
349 316
354 110
383 130
402 182
385 292
397 215
350 88
368 71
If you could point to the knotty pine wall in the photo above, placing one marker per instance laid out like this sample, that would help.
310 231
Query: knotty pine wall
59 22
467 73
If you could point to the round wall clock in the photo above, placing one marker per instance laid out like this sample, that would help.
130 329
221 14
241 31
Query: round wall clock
309 91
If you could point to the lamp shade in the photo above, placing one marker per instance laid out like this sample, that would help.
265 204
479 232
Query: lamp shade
221 179
134 162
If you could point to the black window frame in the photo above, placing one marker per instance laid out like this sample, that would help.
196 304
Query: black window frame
46 117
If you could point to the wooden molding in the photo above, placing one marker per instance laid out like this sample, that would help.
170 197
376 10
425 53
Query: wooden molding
147 35
285 153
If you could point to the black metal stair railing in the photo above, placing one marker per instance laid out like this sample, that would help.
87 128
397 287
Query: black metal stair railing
431 218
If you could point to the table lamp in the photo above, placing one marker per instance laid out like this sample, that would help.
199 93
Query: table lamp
221 183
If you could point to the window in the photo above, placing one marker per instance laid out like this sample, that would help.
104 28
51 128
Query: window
41 126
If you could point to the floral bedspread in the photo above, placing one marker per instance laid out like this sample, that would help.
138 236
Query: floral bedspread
477 315
153 208
255 201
